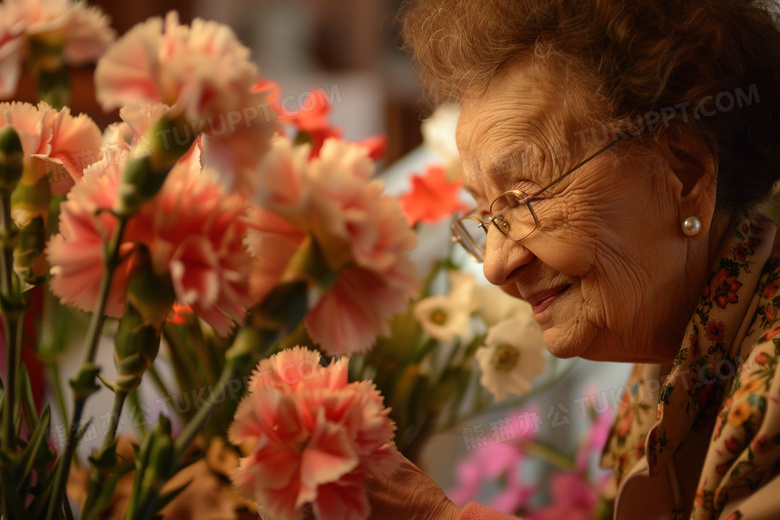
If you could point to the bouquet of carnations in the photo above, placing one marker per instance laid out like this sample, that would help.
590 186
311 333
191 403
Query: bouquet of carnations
218 243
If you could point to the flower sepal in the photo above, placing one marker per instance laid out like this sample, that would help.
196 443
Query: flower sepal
136 347
32 196
152 296
309 264
156 152
83 384
29 260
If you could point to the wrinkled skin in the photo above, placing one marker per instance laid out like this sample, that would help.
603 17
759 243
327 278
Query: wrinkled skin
609 243
409 494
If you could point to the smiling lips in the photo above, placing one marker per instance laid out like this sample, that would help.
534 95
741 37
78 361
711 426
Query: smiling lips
540 301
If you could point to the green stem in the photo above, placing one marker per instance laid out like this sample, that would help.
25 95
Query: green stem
513 403
186 371
87 373
96 482
13 331
206 354
549 455
187 436
98 317
53 371
12 320
195 425
135 403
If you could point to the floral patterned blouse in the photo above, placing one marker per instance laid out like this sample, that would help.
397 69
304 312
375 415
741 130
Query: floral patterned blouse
700 439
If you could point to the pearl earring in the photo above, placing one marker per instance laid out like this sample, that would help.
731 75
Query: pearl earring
691 226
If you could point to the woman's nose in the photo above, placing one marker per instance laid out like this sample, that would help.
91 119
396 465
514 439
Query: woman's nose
502 258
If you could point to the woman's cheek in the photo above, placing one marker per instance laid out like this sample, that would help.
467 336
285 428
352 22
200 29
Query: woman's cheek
564 243
570 254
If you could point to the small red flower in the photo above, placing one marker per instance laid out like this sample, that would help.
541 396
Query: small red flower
693 340
705 395
723 468
715 331
723 288
771 289
733 445
762 444
770 312
312 119
377 146
762 358
771 334
180 313
432 197
740 251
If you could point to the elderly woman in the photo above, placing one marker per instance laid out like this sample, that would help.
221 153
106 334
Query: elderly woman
618 151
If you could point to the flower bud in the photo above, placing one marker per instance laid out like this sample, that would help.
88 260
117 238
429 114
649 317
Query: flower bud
135 348
11 159
32 196
29 260
152 296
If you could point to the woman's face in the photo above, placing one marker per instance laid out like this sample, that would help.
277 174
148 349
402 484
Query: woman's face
605 271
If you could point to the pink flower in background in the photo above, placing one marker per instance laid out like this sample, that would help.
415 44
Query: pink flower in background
432 197
198 71
314 438
82 31
573 499
76 254
206 77
496 462
597 436
192 229
11 44
54 143
362 234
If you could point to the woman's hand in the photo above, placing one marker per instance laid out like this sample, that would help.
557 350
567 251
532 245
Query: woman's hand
409 494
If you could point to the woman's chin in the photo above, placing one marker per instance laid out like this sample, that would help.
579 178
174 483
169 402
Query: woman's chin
566 344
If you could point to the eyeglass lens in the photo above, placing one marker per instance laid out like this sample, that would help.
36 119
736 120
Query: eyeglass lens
513 216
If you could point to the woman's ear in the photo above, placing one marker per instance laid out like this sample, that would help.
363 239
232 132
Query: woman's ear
692 161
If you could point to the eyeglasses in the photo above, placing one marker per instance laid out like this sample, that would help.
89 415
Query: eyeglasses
512 213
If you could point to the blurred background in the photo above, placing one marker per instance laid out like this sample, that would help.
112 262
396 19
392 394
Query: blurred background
350 48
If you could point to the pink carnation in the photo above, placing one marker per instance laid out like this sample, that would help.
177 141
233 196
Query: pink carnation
205 76
573 499
363 235
82 31
314 438
54 142
192 230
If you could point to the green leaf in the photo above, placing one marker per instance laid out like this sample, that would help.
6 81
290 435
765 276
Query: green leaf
14 501
107 491
30 455
166 498
28 401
